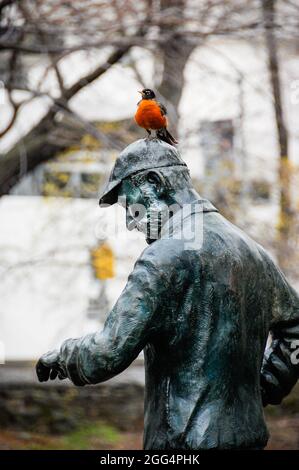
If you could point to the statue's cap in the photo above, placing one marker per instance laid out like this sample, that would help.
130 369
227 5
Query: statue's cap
144 154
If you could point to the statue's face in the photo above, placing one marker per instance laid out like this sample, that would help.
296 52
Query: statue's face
143 205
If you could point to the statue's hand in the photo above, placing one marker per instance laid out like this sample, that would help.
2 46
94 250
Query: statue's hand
48 367
278 374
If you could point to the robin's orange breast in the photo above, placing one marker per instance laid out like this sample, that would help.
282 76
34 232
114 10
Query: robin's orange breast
149 116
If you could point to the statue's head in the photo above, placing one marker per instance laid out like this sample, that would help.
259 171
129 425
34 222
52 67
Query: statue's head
145 180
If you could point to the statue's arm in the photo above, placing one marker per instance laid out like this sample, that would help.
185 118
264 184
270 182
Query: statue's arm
280 369
97 357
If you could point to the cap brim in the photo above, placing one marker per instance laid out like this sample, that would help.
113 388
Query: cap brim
110 194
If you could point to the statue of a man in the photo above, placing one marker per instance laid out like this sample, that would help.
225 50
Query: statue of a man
200 303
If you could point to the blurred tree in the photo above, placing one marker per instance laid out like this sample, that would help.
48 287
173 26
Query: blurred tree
53 30
175 49
286 213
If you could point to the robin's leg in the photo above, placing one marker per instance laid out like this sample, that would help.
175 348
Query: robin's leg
149 134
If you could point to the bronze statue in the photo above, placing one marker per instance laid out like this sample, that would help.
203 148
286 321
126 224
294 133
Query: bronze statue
200 303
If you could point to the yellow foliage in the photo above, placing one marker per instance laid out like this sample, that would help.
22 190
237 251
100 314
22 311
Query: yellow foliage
90 142
109 126
102 260
56 184
66 154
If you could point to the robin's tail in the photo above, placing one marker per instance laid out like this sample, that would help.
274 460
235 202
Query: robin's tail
164 135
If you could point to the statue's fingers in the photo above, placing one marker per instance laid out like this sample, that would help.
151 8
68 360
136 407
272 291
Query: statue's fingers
53 374
273 392
42 372
61 375
50 359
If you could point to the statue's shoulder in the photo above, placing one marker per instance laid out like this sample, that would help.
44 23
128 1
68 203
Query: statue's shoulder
164 253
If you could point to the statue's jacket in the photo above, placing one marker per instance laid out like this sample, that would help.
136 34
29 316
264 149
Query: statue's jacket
201 311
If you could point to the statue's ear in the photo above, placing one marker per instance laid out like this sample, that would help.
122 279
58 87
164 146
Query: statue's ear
156 178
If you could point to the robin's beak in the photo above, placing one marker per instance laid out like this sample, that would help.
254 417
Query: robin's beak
140 92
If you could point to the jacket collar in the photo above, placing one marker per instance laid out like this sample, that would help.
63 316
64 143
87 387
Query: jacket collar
175 223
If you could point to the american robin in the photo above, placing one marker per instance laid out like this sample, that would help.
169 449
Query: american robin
151 115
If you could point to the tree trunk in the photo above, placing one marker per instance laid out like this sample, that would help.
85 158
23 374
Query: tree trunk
175 50
285 219
38 146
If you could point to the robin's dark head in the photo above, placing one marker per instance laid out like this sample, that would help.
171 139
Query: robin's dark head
147 94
